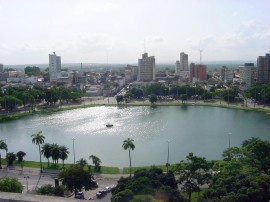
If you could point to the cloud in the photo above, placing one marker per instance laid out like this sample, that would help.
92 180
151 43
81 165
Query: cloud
157 39
201 43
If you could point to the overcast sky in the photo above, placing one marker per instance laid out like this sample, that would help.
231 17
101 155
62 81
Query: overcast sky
90 31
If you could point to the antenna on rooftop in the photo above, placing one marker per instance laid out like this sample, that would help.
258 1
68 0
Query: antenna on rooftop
200 57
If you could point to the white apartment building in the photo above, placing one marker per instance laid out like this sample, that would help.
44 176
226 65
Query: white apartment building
54 66
184 62
177 67
146 68
246 75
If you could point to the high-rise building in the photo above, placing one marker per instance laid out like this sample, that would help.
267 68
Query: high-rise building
146 68
54 66
263 69
177 67
197 72
183 62
246 75
1 67
131 73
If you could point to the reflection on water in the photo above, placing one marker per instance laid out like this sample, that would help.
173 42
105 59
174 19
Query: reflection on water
201 130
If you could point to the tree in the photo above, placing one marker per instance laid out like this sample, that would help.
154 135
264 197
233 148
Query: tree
76 179
46 150
20 155
82 162
3 146
10 184
128 144
148 185
119 98
153 98
38 139
63 153
257 153
10 102
10 158
29 71
184 98
193 173
245 170
55 153
96 162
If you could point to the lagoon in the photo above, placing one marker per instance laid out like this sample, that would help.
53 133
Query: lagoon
198 129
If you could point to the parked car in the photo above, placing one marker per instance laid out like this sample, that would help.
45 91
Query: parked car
79 195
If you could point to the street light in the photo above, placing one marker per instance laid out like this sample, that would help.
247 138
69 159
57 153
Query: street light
26 177
168 156
229 136
73 139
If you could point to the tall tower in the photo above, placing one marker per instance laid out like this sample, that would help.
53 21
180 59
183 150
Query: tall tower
263 69
146 68
183 62
54 66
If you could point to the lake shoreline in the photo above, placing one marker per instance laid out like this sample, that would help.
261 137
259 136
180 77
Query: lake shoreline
14 116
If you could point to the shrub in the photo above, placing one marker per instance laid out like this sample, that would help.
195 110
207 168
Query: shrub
50 190
10 184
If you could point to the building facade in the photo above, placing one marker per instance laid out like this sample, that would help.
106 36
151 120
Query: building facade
54 66
1 67
177 67
246 75
146 68
197 72
263 69
183 62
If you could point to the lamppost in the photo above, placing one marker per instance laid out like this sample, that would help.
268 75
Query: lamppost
168 156
26 177
229 136
73 139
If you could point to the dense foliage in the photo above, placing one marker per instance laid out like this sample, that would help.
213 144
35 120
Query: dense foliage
243 175
32 71
10 184
12 97
194 172
195 91
260 93
50 190
75 178
147 184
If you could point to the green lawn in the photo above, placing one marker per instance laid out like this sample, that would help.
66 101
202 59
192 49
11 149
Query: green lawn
34 164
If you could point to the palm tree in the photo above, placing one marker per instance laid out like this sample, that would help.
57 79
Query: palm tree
63 153
55 153
38 139
96 162
128 144
3 146
46 150
82 162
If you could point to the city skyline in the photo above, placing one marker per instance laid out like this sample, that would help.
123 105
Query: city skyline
120 31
